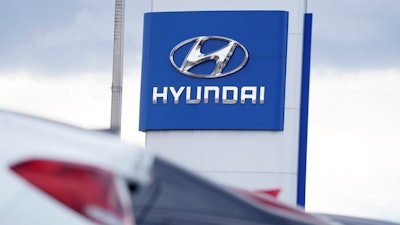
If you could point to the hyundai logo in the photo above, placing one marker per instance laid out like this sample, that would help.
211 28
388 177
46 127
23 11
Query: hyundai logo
196 57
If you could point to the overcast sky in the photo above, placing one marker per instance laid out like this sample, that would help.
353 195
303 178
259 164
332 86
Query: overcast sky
56 61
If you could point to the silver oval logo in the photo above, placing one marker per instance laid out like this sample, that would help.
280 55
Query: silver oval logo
221 57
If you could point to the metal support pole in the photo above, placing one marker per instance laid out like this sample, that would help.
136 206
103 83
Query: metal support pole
116 88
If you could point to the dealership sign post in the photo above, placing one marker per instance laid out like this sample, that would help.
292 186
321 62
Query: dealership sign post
225 90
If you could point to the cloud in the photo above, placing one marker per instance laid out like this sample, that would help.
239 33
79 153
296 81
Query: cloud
67 38
57 39
353 143
354 35
83 100
78 100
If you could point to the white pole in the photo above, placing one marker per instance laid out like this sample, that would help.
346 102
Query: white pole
116 88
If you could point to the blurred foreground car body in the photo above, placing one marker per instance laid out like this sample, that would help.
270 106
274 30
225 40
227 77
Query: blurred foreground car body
51 173
267 201
351 220
178 197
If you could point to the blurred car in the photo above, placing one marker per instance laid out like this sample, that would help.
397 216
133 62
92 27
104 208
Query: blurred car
266 198
51 173
178 197
352 220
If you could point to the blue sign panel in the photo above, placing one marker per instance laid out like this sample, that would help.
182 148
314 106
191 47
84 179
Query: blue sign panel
214 70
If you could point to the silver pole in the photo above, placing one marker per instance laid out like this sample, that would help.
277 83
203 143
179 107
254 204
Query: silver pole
116 88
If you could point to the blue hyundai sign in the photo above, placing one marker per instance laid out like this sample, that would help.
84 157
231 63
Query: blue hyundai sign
214 70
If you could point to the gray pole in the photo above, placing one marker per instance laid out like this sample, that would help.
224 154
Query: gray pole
116 88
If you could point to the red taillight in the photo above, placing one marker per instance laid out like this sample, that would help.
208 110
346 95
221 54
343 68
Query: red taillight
87 190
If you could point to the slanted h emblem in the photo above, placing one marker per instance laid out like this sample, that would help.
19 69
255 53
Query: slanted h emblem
221 57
